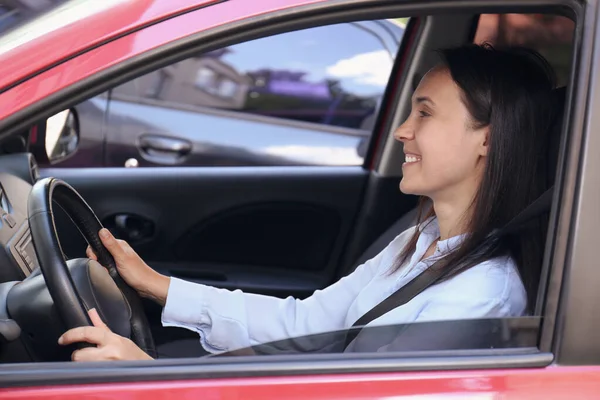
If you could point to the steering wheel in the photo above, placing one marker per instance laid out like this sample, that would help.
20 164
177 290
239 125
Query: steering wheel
68 302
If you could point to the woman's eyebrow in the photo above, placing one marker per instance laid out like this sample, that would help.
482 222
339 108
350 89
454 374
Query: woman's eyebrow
424 99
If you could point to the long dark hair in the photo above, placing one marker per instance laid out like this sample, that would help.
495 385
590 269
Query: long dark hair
508 90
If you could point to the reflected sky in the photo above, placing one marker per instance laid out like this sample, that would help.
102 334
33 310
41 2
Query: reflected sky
352 60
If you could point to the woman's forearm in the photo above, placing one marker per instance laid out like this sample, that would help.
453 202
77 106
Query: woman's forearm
156 288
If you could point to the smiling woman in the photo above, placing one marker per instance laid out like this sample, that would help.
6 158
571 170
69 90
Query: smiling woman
470 116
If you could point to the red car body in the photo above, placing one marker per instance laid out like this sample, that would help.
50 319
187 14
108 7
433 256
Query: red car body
121 31
551 383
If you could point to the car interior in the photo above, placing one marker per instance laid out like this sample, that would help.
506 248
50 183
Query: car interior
280 231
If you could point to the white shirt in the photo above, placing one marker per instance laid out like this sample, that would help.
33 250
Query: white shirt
228 320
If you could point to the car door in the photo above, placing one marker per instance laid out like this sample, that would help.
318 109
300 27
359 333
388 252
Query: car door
567 339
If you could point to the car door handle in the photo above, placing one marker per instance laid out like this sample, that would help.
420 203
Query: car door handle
164 145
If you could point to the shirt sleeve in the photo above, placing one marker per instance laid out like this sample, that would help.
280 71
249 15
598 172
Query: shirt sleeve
228 320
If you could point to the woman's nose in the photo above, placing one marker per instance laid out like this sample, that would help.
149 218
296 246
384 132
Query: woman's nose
404 132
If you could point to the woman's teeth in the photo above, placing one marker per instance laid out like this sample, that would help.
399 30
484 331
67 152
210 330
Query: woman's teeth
411 159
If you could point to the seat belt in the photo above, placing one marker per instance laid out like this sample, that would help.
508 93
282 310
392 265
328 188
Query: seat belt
431 275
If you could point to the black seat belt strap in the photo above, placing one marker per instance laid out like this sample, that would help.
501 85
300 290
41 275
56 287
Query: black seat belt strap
400 297
428 277
535 209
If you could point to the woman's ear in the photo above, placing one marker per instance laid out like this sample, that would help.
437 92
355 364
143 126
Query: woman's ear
484 134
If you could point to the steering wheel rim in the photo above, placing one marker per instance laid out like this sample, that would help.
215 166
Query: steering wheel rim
44 194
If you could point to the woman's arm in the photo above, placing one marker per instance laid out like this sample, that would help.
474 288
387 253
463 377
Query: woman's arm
228 320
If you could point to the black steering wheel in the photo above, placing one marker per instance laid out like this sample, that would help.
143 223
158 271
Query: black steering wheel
68 302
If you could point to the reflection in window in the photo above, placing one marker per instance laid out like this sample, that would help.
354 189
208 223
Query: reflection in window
227 88
16 12
206 79
331 75
428 336
8 17
157 90
209 81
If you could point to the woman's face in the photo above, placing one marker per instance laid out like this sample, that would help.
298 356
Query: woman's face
444 156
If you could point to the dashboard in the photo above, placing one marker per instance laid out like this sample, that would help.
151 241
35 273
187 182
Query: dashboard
32 311
18 173
23 252
30 320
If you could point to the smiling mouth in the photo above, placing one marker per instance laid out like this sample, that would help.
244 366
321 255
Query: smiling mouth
411 158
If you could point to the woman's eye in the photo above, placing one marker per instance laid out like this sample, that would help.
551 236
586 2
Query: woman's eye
424 114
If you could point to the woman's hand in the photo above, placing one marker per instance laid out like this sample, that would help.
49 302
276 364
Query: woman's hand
110 346
146 281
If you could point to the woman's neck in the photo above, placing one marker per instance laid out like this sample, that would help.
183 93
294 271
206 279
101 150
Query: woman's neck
451 218
453 207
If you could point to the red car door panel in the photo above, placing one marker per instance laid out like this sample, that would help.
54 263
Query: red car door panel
549 383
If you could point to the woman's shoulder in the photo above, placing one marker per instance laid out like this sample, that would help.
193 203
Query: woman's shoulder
497 279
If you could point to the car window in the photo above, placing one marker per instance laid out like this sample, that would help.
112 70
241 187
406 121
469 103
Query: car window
331 75
464 334
307 97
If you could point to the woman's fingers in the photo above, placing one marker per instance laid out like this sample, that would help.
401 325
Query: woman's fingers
113 246
109 346
104 353
92 334
89 334
87 354
90 254
96 320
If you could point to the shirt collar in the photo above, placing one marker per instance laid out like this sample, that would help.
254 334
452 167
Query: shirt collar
430 231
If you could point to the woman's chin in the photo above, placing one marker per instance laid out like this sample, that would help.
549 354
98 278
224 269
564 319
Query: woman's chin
407 188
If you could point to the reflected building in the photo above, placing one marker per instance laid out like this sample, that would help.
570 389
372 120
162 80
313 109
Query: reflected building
204 81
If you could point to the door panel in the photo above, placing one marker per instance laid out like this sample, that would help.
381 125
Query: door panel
275 230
